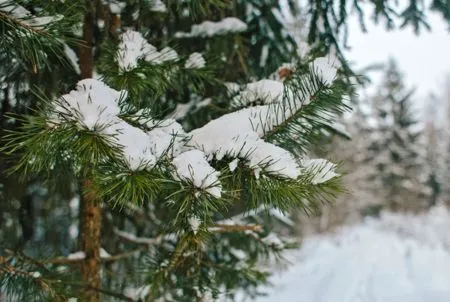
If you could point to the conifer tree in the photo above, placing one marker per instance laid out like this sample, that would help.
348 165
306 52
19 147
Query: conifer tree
168 188
395 151
443 159
153 125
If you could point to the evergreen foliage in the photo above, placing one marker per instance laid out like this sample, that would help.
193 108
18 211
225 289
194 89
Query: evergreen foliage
395 150
138 151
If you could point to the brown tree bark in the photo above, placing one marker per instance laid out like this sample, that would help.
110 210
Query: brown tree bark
86 55
91 212
91 266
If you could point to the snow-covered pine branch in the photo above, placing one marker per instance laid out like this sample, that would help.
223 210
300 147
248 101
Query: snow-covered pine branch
238 135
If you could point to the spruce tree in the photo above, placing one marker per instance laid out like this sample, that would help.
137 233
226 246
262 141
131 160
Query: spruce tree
444 145
173 140
150 130
395 150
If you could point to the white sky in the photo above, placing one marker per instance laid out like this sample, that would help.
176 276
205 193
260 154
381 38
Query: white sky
424 59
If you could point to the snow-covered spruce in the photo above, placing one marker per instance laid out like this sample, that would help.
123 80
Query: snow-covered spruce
237 135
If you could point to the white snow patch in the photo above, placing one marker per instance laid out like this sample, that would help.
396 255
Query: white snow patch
195 61
95 106
15 10
390 259
273 239
134 47
115 7
77 255
210 29
92 103
195 223
238 253
326 69
323 170
137 293
104 253
232 88
81 255
285 218
72 57
158 6
193 166
267 91
238 134
233 164
19 12
203 103
136 145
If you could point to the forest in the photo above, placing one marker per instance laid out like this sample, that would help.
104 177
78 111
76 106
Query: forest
181 150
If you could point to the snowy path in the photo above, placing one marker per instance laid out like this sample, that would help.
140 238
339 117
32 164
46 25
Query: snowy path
395 259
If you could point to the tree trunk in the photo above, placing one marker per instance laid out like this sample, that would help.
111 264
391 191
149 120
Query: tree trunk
91 266
86 55
91 213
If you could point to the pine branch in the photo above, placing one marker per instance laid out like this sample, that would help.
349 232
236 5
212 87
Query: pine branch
22 22
224 228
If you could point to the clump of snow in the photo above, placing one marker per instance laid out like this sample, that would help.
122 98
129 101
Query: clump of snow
273 240
116 7
104 253
326 69
195 61
95 106
238 253
203 103
193 166
267 91
133 47
92 103
72 57
158 6
322 169
232 88
182 110
233 164
77 255
136 145
41 22
303 49
137 294
238 134
210 29
166 136
17 11
81 255
166 54
283 217
195 223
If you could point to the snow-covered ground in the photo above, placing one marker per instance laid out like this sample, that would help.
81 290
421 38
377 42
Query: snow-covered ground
396 258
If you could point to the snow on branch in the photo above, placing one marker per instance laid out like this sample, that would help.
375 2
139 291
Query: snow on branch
210 29
195 60
193 167
95 106
21 16
134 47
240 134
321 169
